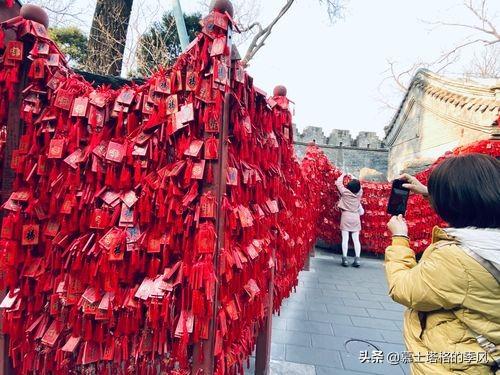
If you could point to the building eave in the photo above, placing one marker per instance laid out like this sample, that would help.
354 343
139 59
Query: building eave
461 93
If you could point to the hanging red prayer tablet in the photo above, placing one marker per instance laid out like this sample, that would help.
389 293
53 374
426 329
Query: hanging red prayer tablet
186 113
56 149
194 148
9 299
205 238
218 46
64 100
221 73
42 48
51 229
53 60
213 124
198 170
127 215
75 158
126 97
71 344
172 104
52 334
252 288
232 176
110 239
129 198
97 116
115 152
14 50
162 85
239 74
80 107
191 80
207 205
30 235
92 352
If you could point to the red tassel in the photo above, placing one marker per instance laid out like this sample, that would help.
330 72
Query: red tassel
210 173
2 39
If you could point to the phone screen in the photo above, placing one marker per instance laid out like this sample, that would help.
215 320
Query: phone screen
398 200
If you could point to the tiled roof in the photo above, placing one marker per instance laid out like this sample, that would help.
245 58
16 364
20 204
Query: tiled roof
479 95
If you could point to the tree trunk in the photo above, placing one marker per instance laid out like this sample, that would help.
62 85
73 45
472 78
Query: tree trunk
108 36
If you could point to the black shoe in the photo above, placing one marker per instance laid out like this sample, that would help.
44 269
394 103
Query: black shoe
356 263
344 262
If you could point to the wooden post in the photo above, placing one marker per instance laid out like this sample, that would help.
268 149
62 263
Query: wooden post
203 355
263 350
14 129
307 264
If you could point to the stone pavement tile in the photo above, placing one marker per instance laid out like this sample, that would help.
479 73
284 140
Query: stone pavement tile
334 282
308 284
383 290
357 333
329 318
328 342
290 368
335 371
346 310
291 313
280 367
356 302
374 323
352 288
328 294
313 356
389 347
309 327
393 336
352 362
374 297
394 306
399 324
292 338
309 292
309 306
385 314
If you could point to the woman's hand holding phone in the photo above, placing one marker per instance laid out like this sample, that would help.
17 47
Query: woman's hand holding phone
397 226
414 185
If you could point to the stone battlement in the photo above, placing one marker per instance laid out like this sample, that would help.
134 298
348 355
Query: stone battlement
338 138
352 155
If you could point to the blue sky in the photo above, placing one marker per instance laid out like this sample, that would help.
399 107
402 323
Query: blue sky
333 71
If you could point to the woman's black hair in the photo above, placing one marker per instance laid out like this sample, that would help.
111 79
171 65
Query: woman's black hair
354 186
465 191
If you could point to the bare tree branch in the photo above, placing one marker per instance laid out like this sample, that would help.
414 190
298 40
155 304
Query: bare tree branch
260 38
486 62
335 8
62 12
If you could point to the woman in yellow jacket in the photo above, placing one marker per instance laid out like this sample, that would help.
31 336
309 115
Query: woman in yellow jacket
452 324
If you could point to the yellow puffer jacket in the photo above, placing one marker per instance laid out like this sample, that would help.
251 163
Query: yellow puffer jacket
451 299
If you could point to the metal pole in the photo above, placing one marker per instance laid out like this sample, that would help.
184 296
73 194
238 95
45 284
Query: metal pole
181 25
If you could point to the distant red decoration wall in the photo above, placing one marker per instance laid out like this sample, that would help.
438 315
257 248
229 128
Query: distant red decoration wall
321 175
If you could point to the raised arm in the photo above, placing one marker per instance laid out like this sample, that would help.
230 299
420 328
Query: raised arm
439 281
340 184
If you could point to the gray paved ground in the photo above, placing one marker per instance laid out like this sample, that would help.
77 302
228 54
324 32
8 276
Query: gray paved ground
333 305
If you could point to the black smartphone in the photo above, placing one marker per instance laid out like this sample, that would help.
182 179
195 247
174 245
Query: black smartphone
398 199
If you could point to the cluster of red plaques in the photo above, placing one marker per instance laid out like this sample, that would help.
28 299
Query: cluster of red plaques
421 218
146 221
